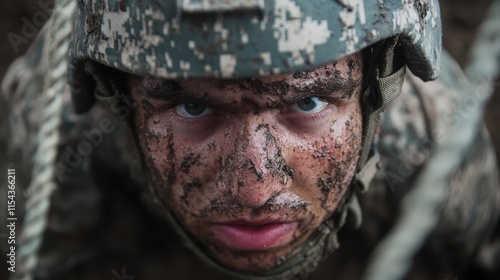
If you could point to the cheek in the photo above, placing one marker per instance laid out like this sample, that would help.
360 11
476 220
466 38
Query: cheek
179 168
326 165
160 156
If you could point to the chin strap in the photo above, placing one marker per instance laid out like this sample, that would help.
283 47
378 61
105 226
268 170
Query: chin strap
385 86
388 88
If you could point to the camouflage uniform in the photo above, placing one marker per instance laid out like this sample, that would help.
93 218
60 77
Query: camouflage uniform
102 219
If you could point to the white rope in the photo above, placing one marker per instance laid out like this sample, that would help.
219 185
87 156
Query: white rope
393 257
43 179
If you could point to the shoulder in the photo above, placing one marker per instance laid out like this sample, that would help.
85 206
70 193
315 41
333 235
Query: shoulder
423 118
412 128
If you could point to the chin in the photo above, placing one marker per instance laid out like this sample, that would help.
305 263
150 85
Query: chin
253 261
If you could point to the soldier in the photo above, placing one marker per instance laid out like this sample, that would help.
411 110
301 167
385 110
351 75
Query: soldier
257 129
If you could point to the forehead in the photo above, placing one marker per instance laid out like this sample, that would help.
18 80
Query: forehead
340 73
342 67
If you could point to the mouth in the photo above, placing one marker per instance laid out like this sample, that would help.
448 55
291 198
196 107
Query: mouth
246 235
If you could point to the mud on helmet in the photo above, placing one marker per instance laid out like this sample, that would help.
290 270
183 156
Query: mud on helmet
247 38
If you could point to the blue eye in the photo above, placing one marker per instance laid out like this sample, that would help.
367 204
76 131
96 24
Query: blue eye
309 105
192 110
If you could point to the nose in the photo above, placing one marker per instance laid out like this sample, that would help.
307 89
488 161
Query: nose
258 170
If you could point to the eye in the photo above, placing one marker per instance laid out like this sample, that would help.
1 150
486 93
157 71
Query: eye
192 110
309 105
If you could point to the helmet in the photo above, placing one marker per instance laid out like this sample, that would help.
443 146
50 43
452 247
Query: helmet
247 38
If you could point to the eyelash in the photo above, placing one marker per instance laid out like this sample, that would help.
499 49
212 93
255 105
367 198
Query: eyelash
204 121
287 113
293 115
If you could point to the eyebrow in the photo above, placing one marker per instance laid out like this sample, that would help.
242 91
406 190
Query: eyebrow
171 91
327 87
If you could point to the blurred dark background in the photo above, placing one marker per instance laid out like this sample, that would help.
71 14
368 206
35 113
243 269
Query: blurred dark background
460 20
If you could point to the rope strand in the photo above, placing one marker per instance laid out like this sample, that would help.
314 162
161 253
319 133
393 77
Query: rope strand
43 179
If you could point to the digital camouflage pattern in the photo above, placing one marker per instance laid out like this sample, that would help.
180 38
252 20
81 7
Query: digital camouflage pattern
103 220
249 38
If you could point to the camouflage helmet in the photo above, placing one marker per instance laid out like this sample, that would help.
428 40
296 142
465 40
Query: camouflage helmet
247 38
228 39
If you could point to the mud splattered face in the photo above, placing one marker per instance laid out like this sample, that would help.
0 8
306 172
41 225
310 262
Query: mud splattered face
252 167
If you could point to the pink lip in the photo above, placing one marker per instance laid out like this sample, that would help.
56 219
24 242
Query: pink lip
254 236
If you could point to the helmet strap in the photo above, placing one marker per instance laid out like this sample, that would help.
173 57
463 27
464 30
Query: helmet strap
386 84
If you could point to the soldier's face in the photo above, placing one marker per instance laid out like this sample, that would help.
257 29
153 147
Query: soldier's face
252 167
